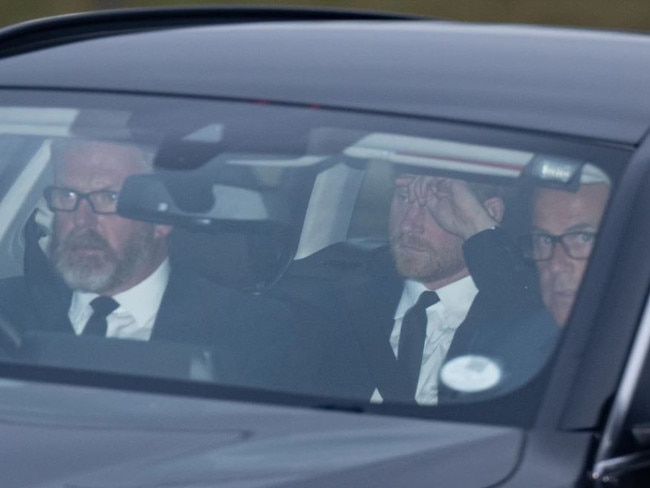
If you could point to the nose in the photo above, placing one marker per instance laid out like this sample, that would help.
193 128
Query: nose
560 260
84 216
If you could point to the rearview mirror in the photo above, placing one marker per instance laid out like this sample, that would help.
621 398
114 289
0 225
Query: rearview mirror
176 198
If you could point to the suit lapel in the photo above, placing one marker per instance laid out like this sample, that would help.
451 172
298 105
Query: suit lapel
195 311
372 303
181 316
51 302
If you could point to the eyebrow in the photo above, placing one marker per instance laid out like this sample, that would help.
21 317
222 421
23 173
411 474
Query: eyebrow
104 188
582 226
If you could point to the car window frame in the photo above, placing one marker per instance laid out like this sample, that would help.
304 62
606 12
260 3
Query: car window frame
478 134
583 383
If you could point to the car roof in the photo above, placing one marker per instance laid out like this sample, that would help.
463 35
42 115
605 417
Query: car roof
585 83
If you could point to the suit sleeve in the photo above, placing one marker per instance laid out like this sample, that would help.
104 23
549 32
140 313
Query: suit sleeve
501 274
507 321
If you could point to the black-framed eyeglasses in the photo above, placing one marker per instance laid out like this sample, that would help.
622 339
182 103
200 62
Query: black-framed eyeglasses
539 246
66 200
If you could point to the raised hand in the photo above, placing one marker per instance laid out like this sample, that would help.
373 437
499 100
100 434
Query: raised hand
452 204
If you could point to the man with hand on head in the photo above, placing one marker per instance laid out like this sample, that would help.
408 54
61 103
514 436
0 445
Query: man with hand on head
453 273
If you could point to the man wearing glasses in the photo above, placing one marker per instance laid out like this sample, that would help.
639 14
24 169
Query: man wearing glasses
564 228
97 252
110 276
115 266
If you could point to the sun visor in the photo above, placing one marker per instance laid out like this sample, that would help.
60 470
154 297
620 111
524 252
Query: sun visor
44 122
441 155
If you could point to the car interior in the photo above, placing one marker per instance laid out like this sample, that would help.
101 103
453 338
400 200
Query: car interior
287 206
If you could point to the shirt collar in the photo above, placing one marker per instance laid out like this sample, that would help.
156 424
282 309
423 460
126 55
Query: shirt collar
456 297
141 301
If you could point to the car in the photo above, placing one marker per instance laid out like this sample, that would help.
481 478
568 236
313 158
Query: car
276 137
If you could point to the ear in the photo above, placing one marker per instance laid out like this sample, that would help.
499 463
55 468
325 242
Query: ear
161 231
495 208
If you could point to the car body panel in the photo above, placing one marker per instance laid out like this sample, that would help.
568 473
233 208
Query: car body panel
525 83
89 437
429 69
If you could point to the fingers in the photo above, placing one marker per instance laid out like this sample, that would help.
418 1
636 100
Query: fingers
450 202
428 191
417 188
432 190
424 190
421 190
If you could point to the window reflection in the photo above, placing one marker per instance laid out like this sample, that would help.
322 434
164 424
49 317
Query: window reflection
236 262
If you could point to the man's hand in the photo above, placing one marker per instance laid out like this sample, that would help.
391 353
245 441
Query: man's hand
452 204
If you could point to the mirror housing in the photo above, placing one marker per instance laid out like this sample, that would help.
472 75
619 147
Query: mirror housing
174 198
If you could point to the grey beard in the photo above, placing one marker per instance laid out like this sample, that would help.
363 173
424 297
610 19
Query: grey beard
101 272
89 276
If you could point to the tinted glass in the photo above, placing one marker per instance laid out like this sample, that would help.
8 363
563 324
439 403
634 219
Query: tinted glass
283 249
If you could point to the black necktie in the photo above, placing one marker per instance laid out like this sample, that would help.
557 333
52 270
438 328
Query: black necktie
97 324
411 341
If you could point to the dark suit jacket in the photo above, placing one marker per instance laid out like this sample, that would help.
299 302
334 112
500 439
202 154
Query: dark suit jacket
250 340
520 348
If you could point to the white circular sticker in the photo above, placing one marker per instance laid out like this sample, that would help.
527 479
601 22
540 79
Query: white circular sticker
471 373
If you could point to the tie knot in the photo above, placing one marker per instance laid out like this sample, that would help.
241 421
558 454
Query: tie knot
103 306
426 299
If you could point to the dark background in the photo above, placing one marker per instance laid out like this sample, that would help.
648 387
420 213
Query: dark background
615 14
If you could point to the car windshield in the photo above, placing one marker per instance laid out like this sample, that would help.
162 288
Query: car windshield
250 246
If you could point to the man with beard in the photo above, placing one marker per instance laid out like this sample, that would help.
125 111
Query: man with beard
104 275
97 252
446 240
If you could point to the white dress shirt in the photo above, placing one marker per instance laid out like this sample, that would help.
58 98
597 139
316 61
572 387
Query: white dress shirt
443 318
137 311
